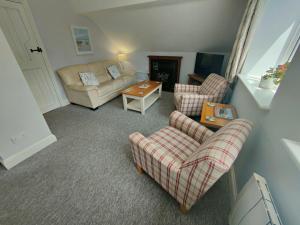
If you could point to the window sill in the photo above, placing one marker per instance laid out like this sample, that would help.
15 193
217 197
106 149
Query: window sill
293 149
263 97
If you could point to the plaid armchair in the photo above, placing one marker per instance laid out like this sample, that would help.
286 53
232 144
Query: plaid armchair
186 158
189 98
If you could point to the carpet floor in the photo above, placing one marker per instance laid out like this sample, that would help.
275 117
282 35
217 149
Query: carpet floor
88 176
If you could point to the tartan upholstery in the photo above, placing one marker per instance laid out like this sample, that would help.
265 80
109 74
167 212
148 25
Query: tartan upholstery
190 127
185 158
189 98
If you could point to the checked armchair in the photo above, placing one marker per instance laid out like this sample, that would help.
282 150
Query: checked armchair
189 98
186 158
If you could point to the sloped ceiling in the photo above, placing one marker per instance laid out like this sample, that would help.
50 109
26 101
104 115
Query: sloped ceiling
205 25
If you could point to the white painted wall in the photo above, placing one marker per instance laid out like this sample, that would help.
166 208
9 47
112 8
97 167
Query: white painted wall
83 6
264 152
54 19
172 26
20 116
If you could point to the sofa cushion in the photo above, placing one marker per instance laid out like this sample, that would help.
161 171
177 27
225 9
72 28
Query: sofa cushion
179 145
113 71
106 88
128 80
100 71
70 74
88 78
118 83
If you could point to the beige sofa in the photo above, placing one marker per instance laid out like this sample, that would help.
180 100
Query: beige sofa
94 96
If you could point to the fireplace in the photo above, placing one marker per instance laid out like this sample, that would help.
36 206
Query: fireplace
165 69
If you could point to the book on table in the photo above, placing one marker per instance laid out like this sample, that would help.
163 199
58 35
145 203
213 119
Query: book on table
224 113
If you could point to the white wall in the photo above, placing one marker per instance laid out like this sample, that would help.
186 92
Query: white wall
83 6
172 26
54 19
264 152
20 116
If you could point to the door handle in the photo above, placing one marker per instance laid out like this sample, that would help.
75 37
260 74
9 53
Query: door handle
38 49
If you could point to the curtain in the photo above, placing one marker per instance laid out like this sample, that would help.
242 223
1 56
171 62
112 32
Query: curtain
243 38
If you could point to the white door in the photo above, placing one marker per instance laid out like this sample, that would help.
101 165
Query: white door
20 36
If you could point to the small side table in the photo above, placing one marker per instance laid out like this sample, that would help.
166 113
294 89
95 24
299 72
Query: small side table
196 79
210 111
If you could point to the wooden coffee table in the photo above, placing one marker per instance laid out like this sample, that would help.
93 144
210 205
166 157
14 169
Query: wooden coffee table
142 95
208 111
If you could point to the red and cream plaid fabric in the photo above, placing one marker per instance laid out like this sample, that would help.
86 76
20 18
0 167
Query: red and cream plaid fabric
189 98
185 158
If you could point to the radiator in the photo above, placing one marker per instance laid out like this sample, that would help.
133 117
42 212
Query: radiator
254 205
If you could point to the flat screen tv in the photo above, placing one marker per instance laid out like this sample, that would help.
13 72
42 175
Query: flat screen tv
207 63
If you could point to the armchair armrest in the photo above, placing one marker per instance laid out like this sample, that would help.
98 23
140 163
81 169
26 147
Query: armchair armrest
147 154
82 88
187 88
190 127
139 141
191 104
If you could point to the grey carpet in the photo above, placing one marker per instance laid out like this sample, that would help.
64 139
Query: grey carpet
88 176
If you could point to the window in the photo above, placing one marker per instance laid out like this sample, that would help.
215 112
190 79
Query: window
275 42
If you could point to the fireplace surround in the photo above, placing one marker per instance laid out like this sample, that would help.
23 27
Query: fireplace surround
165 69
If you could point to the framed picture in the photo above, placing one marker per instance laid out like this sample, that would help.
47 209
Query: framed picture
82 40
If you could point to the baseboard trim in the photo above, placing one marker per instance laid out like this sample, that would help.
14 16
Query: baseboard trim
27 152
65 102
232 185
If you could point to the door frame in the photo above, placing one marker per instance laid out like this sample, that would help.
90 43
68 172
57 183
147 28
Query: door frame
61 101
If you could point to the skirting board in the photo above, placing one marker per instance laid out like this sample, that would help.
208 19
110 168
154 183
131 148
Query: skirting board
27 152
65 102
232 186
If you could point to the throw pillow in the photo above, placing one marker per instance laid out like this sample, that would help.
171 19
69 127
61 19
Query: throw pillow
88 79
113 71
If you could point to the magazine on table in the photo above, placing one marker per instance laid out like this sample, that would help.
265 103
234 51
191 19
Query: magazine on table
224 113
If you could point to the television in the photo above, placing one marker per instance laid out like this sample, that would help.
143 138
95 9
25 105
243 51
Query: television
207 63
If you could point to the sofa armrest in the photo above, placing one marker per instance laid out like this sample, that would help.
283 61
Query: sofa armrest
190 127
82 88
187 88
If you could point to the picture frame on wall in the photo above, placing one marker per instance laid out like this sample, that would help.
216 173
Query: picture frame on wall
82 40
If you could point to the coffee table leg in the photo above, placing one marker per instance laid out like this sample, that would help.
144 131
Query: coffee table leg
159 91
142 106
125 102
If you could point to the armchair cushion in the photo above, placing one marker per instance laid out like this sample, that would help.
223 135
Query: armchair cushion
188 126
187 88
214 85
190 104
175 143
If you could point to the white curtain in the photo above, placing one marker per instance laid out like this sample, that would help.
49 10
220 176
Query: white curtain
243 38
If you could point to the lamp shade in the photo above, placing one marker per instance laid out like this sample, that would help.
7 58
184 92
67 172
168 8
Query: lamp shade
122 57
